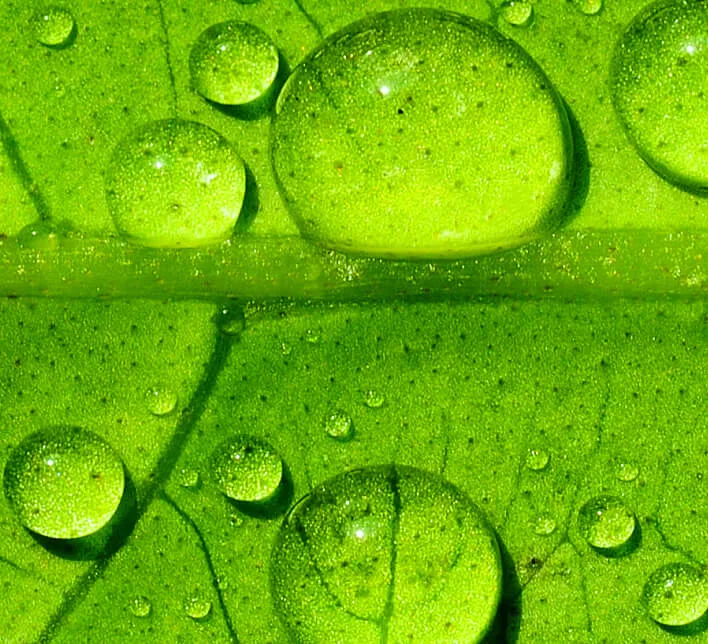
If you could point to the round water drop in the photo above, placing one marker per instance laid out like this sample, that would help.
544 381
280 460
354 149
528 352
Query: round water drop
421 133
140 606
589 7
38 236
606 523
386 554
175 183
544 525
517 12
54 26
247 469
64 482
627 472
338 424
659 83
230 319
188 478
676 594
197 607
161 400
537 459
233 63
374 399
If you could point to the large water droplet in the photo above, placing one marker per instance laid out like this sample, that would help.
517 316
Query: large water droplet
517 12
606 523
676 594
140 606
64 482
54 26
660 89
247 469
197 607
338 424
386 554
161 400
175 183
233 63
421 133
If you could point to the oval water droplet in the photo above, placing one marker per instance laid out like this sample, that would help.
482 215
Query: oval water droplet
627 472
589 7
517 12
659 82
54 26
676 594
38 236
374 399
247 469
544 525
188 478
388 139
606 523
140 606
333 561
175 183
537 459
338 424
230 319
161 400
197 607
64 482
233 63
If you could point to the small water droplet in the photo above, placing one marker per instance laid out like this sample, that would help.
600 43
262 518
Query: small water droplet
676 594
312 336
54 26
544 525
537 459
589 7
197 607
161 400
140 606
517 12
64 482
338 424
247 468
230 319
374 399
38 236
188 478
606 523
233 63
627 472
235 520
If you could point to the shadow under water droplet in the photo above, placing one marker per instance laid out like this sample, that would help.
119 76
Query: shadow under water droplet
251 204
581 169
507 622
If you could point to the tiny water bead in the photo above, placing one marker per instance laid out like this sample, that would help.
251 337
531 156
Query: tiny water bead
230 319
247 469
386 553
544 525
537 459
140 606
676 594
233 63
659 82
54 26
589 7
338 424
421 133
161 400
64 482
606 523
374 399
197 607
175 183
517 12
188 478
627 472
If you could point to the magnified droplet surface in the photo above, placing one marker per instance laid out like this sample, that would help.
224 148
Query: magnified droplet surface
659 83
385 554
64 482
606 523
175 183
53 26
676 594
233 63
421 133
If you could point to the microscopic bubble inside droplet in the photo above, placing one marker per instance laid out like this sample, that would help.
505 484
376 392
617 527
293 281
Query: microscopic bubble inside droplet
175 183
676 594
64 482
388 139
606 523
161 400
233 63
197 607
338 424
659 83
247 469
54 26
516 12
140 606
333 562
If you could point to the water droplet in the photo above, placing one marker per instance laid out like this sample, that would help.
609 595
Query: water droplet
230 319
537 459
175 183
332 560
233 63
589 7
338 424
285 349
161 400
38 236
387 139
54 26
627 472
544 525
188 478
197 607
312 336
64 482
606 523
247 469
374 399
517 12
140 606
676 594
659 90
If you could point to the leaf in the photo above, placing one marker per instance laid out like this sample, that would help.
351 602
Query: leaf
470 384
